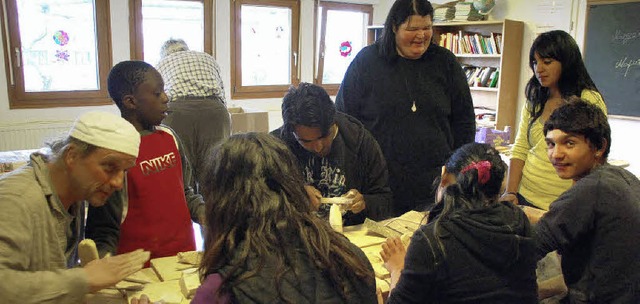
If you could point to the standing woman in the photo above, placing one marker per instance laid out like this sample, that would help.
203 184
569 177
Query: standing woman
413 97
263 244
558 73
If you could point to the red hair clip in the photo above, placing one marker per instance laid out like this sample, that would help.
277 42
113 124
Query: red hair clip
484 170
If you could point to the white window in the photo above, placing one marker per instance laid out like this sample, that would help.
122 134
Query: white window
58 52
156 21
341 32
264 47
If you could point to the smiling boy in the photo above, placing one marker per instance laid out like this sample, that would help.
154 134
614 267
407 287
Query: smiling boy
159 205
595 225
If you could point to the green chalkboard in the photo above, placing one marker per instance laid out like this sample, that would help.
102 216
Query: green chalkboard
612 55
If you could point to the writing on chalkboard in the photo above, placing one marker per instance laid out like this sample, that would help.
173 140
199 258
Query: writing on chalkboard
626 64
625 37
612 54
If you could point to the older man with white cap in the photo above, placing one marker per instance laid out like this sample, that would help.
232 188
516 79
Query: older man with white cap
42 213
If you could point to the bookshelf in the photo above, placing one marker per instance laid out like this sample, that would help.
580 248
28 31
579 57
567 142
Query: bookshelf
374 32
504 97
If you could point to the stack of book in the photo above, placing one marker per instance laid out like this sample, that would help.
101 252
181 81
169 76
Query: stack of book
482 76
444 13
465 11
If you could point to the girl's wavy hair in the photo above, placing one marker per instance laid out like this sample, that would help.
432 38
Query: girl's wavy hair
574 77
256 206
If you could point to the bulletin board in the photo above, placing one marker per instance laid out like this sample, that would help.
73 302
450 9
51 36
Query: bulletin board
612 54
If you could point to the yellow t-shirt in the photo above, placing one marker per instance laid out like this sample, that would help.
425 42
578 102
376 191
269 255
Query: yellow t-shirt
540 183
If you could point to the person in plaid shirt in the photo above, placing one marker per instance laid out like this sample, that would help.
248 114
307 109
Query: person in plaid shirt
197 110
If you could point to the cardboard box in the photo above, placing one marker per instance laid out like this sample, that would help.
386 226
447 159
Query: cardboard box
493 137
248 120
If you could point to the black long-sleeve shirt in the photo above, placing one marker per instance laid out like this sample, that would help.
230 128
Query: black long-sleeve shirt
356 161
484 255
416 144
595 226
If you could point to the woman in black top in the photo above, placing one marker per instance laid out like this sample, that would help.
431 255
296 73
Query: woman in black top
413 97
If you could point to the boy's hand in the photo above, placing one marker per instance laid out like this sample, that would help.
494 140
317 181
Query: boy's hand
314 196
357 205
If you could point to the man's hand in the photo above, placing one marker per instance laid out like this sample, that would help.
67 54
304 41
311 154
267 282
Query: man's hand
108 271
357 205
314 196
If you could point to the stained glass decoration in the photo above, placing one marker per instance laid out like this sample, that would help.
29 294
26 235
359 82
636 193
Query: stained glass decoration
61 38
345 49
62 55
346 32
45 28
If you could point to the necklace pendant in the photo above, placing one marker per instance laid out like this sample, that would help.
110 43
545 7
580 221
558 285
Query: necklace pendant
413 107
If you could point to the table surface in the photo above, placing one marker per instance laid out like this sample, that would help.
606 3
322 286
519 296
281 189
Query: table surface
164 273
163 277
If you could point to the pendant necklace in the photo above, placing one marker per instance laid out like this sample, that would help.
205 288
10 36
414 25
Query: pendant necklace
414 108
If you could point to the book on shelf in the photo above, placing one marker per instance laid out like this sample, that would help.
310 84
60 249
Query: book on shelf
487 77
481 76
494 79
492 40
498 41
470 43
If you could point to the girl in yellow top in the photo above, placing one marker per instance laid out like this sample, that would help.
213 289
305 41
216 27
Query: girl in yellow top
559 73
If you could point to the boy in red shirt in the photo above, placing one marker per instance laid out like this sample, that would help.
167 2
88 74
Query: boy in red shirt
158 205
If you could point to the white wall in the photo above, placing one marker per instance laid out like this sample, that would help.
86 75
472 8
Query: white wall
539 16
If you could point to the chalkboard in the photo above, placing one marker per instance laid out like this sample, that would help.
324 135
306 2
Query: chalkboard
612 55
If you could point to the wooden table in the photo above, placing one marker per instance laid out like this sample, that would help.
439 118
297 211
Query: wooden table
164 273
163 277
371 243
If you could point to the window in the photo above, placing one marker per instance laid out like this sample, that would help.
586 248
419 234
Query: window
58 52
341 32
155 21
264 47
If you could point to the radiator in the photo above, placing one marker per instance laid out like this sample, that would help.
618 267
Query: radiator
33 135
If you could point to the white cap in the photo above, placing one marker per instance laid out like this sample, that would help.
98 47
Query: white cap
107 130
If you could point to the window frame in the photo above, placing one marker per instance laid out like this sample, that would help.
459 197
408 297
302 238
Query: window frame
238 91
19 99
136 35
318 51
